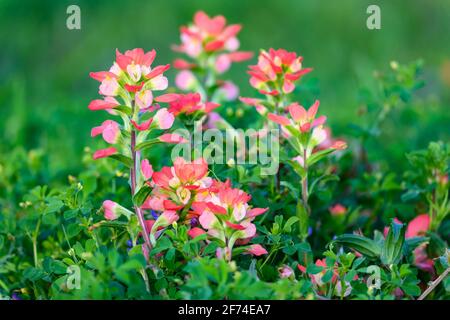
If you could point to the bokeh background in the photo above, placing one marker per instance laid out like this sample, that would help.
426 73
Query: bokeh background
44 67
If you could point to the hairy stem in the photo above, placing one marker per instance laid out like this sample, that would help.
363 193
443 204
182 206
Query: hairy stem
139 213
305 191
133 174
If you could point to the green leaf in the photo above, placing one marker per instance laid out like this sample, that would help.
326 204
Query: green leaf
142 194
124 109
288 225
294 190
123 159
414 242
411 289
319 156
33 274
146 144
290 249
162 244
392 251
297 167
350 275
58 267
73 230
363 245
70 214
303 219
410 195
314 269
53 205
327 276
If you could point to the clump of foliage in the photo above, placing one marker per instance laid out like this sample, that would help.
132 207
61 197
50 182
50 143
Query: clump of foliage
332 223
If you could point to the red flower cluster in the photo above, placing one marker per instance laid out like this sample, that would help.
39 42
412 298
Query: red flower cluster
185 192
277 71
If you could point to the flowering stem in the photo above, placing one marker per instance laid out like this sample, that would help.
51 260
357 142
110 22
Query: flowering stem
305 191
139 213
133 174
303 209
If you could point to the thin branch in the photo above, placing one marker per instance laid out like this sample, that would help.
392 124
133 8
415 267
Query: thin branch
434 284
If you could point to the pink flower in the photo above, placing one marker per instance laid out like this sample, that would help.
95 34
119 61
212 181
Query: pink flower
190 172
195 232
143 126
223 63
190 175
146 169
109 130
137 64
185 80
167 98
183 64
229 90
339 145
211 37
283 121
113 210
256 250
135 57
103 153
107 103
109 87
169 217
418 226
165 219
285 272
257 103
131 71
164 119
102 75
338 210
144 99
276 66
110 212
208 35
190 103
302 120
256 212
172 138
224 60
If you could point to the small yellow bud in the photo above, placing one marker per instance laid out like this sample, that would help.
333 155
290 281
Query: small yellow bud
394 65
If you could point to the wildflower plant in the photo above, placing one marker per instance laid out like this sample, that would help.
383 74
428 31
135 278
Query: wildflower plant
133 81
186 194
275 77
149 226
211 47
182 193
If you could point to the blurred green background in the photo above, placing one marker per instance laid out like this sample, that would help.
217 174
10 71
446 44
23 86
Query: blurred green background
44 67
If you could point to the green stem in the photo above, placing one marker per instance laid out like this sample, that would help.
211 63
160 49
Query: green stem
140 215
34 240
